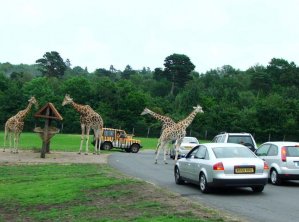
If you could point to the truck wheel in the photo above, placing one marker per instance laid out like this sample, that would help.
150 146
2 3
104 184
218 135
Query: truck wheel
106 146
135 148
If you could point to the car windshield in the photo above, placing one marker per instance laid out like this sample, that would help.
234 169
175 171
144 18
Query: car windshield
232 152
293 151
190 140
239 139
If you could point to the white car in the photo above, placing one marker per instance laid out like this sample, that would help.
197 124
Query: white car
187 144
222 165
282 158
245 139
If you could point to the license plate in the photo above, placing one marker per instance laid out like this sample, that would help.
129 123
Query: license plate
244 170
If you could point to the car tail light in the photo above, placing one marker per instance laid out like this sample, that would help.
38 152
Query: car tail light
266 166
218 166
283 154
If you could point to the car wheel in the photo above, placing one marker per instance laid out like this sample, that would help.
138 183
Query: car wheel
274 177
135 148
177 176
106 146
257 189
203 184
128 150
171 155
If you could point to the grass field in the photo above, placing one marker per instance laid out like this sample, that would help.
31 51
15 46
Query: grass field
65 142
89 192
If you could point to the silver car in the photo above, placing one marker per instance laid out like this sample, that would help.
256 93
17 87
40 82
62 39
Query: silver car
283 160
222 165
187 144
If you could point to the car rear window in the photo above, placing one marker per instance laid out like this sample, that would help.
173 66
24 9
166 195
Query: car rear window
239 139
190 140
232 152
293 151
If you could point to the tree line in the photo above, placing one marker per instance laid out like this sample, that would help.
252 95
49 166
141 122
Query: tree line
262 100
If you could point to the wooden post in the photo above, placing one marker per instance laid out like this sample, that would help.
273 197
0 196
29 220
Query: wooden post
48 112
45 136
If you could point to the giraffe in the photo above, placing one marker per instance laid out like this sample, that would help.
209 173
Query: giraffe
89 119
14 125
176 132
167 121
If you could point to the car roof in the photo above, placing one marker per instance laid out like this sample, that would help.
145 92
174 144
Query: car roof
283 143
214 145
237 134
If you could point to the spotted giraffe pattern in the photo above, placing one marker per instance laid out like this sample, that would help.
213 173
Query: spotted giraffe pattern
89 119
176 132
166 121
15 124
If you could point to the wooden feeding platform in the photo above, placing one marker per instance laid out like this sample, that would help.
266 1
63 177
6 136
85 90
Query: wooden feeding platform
49 113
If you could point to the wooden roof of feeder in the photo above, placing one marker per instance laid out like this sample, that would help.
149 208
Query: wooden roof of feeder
53 113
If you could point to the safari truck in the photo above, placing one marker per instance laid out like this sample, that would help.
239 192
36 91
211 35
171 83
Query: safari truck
117 138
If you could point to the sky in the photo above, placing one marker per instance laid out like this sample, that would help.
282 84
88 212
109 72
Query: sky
142 33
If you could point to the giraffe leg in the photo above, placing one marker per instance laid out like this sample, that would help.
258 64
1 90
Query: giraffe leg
178 144
99 135
96 136
161 146
5 138
87 140
10 142
82 137
165 151
17 143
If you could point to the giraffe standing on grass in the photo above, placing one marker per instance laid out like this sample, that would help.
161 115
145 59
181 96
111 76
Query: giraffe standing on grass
89 119
166 121
176 132
14 125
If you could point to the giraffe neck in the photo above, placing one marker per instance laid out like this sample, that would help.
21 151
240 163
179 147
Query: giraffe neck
157 116
79 108
22 114
188 120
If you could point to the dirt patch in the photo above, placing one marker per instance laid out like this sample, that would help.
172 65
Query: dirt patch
32 157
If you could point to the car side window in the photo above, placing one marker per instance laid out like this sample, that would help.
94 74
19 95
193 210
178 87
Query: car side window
273 151
263 150
192 152
221 139
201 153
216 138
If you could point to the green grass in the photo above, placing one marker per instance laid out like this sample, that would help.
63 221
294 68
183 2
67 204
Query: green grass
65 142
88 192
68 142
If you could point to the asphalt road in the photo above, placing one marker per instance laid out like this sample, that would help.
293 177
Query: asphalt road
275 203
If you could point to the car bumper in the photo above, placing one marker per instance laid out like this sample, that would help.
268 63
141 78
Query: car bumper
287 171
289 176
238 182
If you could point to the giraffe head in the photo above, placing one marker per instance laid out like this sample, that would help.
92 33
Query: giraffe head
67 100
198 109
32 100
145 111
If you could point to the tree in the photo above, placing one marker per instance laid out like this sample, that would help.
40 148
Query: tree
128 72
51 65
178 68
283 72
158 74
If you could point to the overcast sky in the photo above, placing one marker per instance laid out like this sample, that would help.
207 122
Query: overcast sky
142 33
